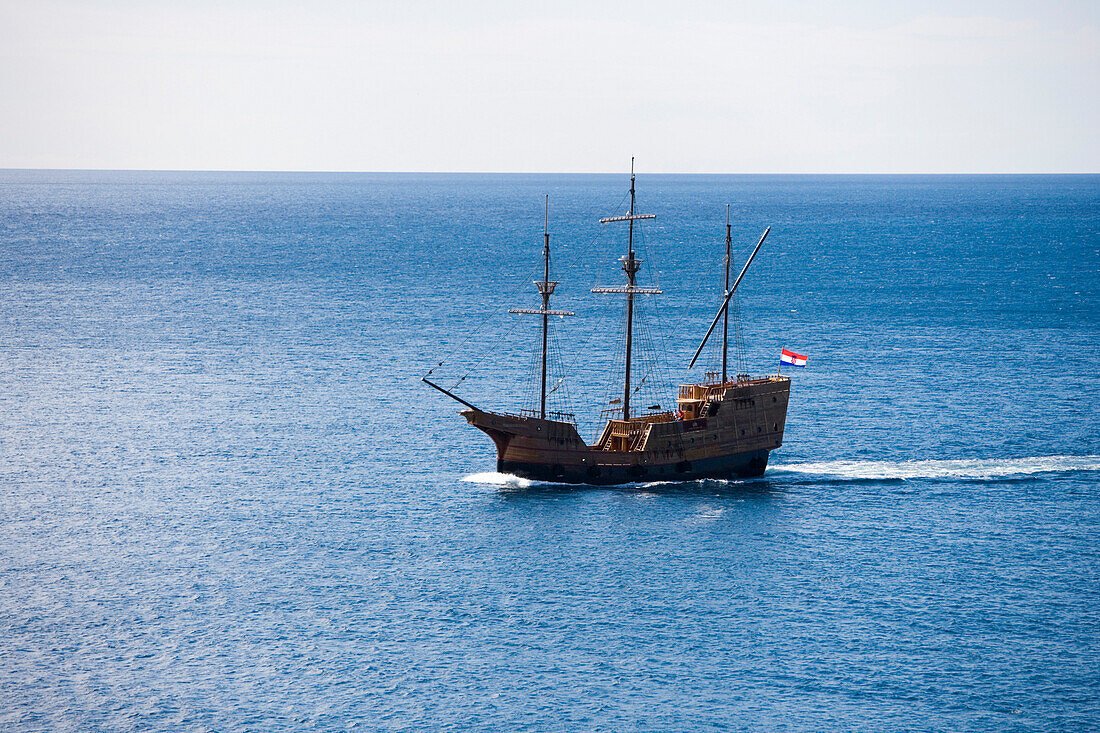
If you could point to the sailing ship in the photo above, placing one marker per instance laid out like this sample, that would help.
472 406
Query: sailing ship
722 428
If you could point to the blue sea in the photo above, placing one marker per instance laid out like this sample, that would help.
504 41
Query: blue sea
228 503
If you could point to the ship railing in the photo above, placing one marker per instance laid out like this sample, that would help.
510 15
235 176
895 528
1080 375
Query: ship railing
635 426
693 392
712 379
656 417
623 429
550 415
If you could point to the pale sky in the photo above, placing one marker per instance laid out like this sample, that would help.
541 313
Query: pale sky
796 86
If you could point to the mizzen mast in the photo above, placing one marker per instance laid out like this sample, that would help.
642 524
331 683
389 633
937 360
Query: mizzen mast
726 310
631 265
729 294
546 289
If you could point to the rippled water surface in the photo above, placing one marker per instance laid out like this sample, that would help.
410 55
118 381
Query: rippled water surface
227 503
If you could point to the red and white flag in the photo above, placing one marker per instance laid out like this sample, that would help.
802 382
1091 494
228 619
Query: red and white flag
789 357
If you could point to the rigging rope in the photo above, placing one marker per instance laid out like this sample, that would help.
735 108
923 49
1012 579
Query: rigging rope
485 354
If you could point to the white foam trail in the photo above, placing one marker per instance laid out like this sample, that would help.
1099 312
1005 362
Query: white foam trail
509 481
492 478
960 469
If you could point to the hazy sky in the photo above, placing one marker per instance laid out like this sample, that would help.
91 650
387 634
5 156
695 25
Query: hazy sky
724 87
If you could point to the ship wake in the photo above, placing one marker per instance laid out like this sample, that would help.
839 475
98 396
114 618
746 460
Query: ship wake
965 469
503 480
511 481
972 469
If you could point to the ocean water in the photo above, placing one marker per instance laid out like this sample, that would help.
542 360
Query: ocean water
228 503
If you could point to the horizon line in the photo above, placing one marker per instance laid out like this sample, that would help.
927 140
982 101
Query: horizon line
540 173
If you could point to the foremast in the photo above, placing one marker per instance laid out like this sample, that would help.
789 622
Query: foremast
546 289
631 265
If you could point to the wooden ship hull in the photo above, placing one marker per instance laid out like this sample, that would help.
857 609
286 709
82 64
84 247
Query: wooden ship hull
726 431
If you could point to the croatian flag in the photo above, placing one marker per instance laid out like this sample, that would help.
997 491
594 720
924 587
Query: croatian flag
789 357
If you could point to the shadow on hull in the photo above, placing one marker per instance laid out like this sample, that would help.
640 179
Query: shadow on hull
757 489
740 466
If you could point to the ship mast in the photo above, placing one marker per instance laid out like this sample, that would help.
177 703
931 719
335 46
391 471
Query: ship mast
631 265
546 289
726 311
729 294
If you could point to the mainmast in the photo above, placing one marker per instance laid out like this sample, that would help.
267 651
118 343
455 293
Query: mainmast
546 289
631 265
